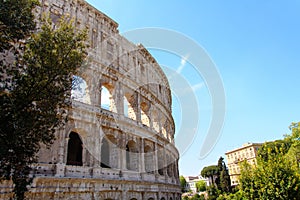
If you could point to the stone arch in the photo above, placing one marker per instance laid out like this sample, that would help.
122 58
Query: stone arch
105 153
145 113
132 158
149 159
164 124
155 120
169 166
175 170
74 155
160 156
163 198
107 98
80 90
109 152
108 195
130 108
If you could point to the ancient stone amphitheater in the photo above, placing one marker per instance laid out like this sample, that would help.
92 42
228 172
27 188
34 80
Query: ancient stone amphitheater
119 141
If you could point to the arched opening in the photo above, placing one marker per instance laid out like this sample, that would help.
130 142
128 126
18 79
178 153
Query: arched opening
163 198
149 161
175 170
129 109
169 166
80 90
163 128
126 107
144 114
74 156
109 152
155 120
107 100
132 159
105 151
150 199
160 158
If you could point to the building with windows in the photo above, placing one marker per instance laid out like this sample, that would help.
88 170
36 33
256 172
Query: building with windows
234 157
119 139
191 182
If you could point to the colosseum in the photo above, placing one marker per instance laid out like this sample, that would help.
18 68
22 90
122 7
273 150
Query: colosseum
119 141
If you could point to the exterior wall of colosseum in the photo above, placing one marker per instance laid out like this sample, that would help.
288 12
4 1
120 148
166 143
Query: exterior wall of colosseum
119 141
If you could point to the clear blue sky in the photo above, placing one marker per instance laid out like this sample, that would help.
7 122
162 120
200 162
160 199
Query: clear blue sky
256 48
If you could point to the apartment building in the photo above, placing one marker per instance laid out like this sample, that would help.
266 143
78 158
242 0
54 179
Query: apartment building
191 182
234 157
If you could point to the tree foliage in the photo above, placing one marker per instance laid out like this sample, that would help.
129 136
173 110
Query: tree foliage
16 21
276 175
201 186
35 87
210 172
182 183
224 183
218 175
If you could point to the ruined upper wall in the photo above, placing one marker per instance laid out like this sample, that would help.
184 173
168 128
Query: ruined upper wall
108 49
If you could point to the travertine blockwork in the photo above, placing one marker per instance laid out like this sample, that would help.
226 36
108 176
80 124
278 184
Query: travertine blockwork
119 141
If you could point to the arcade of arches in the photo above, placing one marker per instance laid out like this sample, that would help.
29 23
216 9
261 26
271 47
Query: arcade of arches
119 140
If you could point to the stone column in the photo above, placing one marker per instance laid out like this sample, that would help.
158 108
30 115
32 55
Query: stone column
165 163
142 156
65 156
138 106
119 98
84 155
63 144
155 159
123 152
159 118
150 116
99 94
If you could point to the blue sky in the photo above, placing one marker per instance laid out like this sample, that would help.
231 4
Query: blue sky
255 46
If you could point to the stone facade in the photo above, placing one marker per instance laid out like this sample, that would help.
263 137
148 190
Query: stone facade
119 140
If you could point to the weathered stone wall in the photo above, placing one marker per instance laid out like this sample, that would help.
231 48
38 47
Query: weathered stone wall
123 150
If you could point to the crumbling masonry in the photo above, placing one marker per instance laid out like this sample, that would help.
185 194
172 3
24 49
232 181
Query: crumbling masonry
119 141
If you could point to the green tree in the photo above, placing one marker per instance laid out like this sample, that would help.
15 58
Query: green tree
270 149
276 175
196 197
201 186
293 153
223 183
185 198
275 179
182 183
213 192
35 88
210 172
247 181
16 22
